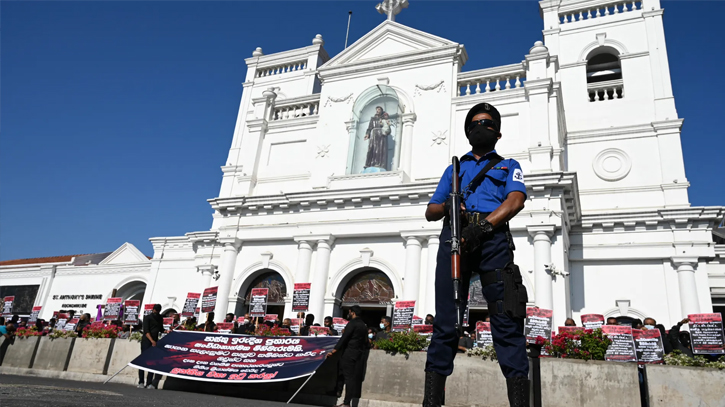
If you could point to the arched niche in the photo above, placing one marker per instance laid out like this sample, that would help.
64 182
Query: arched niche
371 289
376 131
275 283
132 290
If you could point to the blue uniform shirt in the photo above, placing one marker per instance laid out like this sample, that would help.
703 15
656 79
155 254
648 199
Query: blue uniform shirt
504 178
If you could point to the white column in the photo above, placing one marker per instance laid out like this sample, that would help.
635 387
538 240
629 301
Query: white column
206 270
304 257
430 291
542 261
411 284
406 147
319 278
689 301
226 275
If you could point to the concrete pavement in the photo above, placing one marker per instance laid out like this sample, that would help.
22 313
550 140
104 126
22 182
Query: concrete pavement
24 391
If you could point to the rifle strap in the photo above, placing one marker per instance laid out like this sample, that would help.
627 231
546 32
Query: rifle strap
476 181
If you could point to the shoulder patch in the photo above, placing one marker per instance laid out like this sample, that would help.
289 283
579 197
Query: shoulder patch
518 175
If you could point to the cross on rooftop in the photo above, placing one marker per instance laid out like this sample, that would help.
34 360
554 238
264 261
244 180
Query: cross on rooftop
391 8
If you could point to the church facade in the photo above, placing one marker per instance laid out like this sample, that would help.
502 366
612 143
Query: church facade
334 159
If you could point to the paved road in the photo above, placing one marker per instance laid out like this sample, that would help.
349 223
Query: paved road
24 391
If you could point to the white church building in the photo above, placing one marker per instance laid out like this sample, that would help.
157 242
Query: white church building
589 113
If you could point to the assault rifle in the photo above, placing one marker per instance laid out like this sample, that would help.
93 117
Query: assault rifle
455 217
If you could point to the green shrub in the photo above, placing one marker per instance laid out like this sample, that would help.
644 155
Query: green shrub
487 353
676 358
402 342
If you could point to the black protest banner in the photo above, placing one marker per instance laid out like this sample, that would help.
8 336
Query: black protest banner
483 334
8 306
208 300
229 358
622 347
539 322
403 315
34 314
706 333
648 345
112 310
301 297
592 321
130 312
192 299
258 303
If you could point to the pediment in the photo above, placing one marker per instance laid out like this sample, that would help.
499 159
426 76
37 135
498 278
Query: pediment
126 254
388 40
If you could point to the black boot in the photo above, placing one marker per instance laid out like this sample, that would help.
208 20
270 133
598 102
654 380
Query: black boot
518 389
435 386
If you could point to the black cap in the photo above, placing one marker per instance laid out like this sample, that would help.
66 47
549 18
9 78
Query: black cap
482 108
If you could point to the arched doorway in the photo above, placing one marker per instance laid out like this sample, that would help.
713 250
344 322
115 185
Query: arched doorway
133 290
275 299
372 290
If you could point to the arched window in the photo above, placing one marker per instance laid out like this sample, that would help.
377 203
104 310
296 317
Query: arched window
604 75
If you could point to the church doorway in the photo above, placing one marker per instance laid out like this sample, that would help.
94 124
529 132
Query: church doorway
274 282
372 290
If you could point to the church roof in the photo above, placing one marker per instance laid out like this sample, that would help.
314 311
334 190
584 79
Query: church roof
77 259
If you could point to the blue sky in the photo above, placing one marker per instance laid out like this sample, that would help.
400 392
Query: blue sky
116 116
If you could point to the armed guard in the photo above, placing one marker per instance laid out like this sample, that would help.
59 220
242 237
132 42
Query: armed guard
492 192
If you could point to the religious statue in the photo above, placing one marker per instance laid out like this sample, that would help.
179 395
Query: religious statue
391 8
378 132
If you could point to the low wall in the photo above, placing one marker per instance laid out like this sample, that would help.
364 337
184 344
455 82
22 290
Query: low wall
53 354
21 353
592 383
90 355
685 386
124 351
392 380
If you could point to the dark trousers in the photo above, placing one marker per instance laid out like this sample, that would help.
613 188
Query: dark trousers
151 378
352 364
507 333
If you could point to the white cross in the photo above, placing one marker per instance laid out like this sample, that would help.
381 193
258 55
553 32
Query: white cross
391 8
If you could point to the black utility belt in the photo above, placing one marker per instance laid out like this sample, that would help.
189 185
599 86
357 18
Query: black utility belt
476 217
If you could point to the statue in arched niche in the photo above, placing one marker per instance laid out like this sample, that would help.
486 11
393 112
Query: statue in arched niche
377 134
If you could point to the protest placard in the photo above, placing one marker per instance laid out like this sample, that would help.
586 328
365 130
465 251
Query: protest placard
539 322
296 325
571 329
61 319
258 303
301 297
130 312
592 321
622 347
8 306
423 329
112 310
168 322
192 300
148 309
224 327
648 345
319 331
338 324
403 315
483 334
706 331
34 314
208 299
71 325
270 317
417 320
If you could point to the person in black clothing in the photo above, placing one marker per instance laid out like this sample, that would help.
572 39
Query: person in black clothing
328 325
230 318
153 325
83 323
209 325
309 320
354 343
680 340
386 327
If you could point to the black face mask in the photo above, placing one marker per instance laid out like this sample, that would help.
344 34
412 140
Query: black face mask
483 138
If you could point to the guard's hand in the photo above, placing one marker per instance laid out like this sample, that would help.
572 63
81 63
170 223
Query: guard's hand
328 355
153 343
